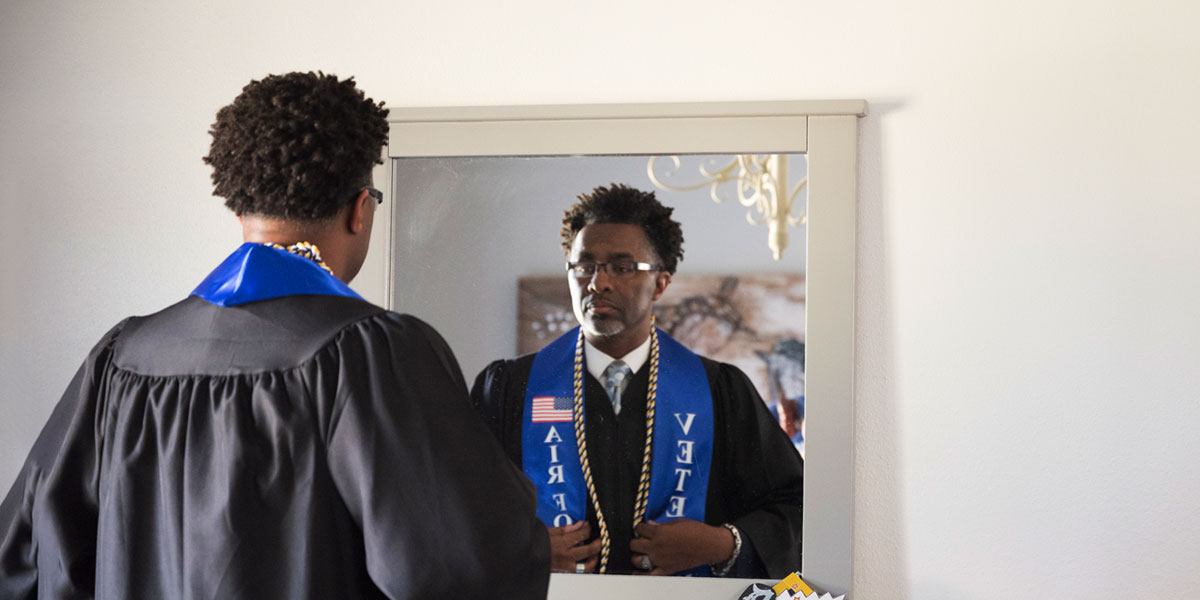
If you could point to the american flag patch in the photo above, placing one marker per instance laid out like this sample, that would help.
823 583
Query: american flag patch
549 409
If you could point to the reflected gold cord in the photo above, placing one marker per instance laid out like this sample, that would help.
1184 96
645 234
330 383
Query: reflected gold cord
643 491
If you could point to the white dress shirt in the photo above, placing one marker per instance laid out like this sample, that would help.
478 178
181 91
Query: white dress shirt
598 361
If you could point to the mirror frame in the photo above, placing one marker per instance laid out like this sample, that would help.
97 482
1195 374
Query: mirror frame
827 133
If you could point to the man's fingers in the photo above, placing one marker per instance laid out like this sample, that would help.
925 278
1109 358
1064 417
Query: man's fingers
565 529
588 552
578 534
640 546
565 551
589 565
588 555
646 529
570 535
562 564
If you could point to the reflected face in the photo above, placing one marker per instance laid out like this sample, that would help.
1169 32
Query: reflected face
615 310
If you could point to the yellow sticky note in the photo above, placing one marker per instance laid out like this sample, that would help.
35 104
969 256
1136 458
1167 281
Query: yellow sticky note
794 584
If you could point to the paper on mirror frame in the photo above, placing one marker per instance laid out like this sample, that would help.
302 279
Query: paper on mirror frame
791 587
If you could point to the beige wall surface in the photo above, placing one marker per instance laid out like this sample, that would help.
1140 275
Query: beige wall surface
1027 258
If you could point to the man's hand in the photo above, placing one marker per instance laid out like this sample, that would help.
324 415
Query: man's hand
567 549
679 545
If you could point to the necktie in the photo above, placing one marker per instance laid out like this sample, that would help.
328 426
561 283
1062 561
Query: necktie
614 376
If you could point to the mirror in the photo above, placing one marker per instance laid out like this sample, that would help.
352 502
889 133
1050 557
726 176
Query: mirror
427 276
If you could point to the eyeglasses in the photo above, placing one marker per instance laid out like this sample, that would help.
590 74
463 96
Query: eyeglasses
619 268
376 194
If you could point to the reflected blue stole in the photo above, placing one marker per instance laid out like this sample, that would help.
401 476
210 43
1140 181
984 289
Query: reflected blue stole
257 272
683 436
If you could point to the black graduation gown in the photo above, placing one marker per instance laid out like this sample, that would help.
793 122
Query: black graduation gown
299 447
757 477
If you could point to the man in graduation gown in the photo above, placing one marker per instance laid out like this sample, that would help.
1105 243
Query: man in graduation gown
274 435
680 468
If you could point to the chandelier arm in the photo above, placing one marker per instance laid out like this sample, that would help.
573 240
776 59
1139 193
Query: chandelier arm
756 181
803 218
753 163
803 183
712 193
725 171
675 188
761 186
742 187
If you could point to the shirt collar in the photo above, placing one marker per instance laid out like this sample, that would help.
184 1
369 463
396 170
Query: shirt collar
598 361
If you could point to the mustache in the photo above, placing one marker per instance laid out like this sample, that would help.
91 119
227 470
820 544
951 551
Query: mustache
596 299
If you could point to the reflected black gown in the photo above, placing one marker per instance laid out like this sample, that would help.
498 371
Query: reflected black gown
757 477
298 447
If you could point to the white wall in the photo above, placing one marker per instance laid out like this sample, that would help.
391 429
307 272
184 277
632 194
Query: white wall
1027 331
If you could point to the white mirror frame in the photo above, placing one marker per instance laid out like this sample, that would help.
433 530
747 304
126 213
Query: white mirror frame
827 132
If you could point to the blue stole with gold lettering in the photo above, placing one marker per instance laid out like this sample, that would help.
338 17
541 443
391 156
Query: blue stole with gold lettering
683 436
258 272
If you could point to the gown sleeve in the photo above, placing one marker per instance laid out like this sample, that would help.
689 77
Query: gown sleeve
48 519
498 396
442 511
763 478
488 396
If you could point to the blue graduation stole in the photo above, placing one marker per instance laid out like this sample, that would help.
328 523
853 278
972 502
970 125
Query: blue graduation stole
683 436
257 272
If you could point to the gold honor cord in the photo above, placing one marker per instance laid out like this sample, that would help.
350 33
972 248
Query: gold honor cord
643 491
308 250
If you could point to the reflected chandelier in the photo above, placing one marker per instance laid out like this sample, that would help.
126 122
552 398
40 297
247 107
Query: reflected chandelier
762 186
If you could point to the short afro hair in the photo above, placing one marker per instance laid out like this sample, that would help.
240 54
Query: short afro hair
619 203
296 147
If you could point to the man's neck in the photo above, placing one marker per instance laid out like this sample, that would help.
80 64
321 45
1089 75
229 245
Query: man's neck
277 231
259 230
621 344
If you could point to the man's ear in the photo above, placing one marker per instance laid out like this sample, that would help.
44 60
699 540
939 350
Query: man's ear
661 280
356 216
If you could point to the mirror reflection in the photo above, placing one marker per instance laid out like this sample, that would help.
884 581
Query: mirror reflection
478 254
